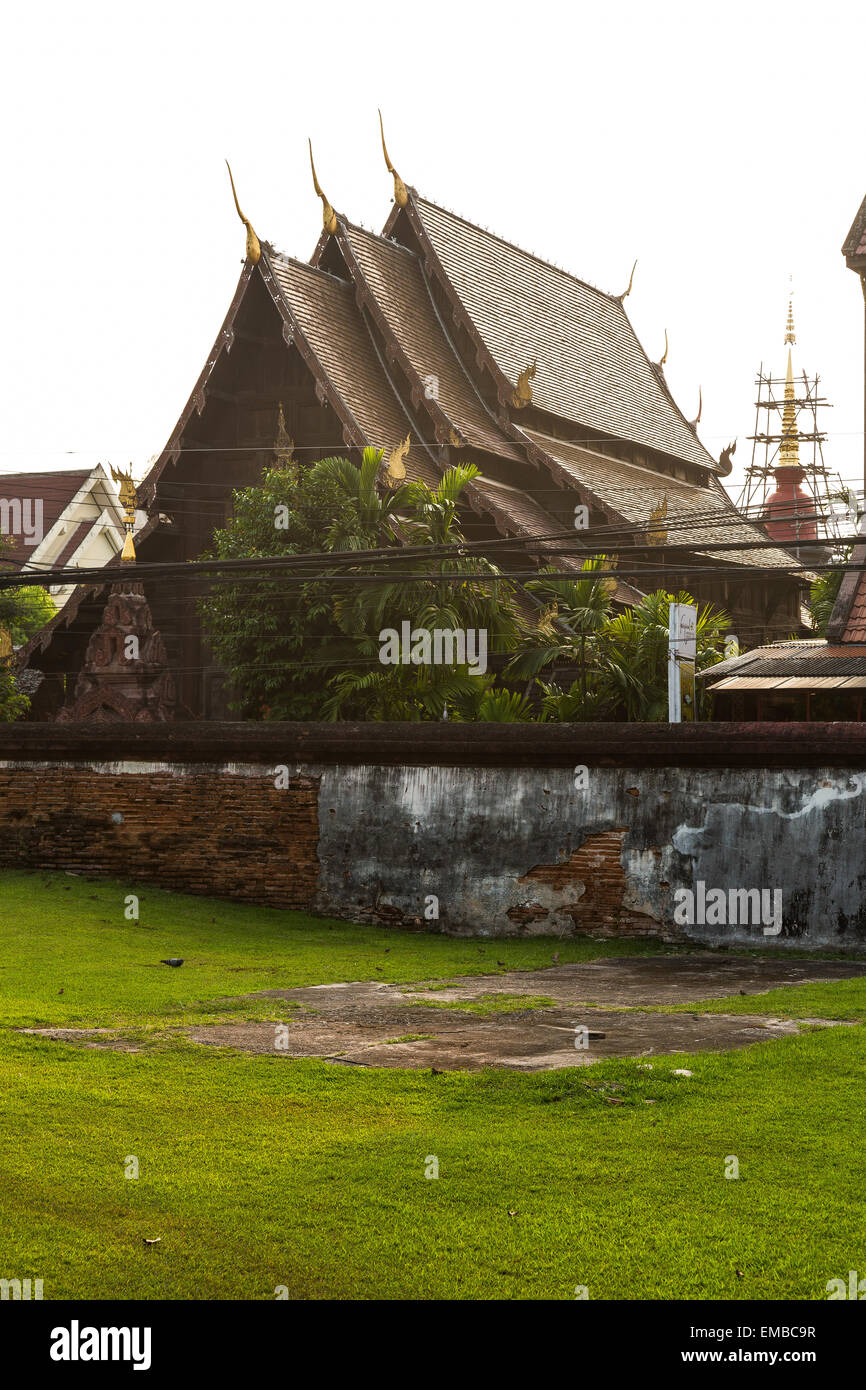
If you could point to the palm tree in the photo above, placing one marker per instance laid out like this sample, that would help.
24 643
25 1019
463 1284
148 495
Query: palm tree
429 520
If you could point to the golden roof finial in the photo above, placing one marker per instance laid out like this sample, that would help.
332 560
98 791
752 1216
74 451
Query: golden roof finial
521 396
329 217
254 250
396 469
697 419
127 501
790 335
625 294
664 356
401 195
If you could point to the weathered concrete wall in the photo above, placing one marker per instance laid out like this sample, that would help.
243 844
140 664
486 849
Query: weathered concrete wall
500 830
511 851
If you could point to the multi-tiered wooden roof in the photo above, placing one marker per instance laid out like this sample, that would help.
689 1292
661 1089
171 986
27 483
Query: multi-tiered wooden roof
439 332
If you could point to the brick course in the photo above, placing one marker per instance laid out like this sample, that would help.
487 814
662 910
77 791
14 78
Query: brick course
207 831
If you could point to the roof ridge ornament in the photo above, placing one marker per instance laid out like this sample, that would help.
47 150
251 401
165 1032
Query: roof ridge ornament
401 194
329 217
254 249
693 424
625 294
664 356
726 459
521 396
657 534
395 471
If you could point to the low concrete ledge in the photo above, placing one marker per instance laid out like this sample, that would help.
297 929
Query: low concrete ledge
446 744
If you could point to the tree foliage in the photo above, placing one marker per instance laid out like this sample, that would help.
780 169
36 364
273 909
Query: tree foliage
311 649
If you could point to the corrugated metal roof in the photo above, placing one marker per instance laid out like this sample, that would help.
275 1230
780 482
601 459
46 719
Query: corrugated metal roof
591 367
791 683
796 660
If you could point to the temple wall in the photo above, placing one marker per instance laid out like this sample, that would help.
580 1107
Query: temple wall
491 829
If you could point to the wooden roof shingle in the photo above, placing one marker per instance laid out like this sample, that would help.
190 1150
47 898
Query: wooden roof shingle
591 368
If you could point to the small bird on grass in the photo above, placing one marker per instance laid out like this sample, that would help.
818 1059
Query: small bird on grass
556 958
174 961
151 1240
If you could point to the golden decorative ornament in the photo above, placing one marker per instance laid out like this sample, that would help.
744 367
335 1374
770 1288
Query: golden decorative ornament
625 294
396 469
284 445
329 217
454 439
128 501
401 195
254 250
522 393
664 357
609 586
656 534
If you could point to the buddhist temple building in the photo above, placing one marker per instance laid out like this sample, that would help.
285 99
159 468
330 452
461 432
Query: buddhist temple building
440 340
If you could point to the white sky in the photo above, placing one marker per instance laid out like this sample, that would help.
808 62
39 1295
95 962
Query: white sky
722 146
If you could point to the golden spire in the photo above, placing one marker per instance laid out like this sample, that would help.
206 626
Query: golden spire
790 335
789 449
401 195
254 250
329 217
127 501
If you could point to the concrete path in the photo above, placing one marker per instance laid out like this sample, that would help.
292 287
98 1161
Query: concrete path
383 1025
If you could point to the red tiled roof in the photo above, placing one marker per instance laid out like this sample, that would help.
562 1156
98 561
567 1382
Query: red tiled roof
855 628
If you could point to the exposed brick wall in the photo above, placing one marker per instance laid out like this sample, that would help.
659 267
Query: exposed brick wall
589 887
212 832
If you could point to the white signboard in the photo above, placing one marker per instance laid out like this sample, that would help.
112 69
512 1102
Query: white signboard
682 654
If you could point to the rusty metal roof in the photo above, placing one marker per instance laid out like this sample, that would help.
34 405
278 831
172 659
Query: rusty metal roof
790 683
591 368
793 661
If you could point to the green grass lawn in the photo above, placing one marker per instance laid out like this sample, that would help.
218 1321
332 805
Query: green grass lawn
259 1172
